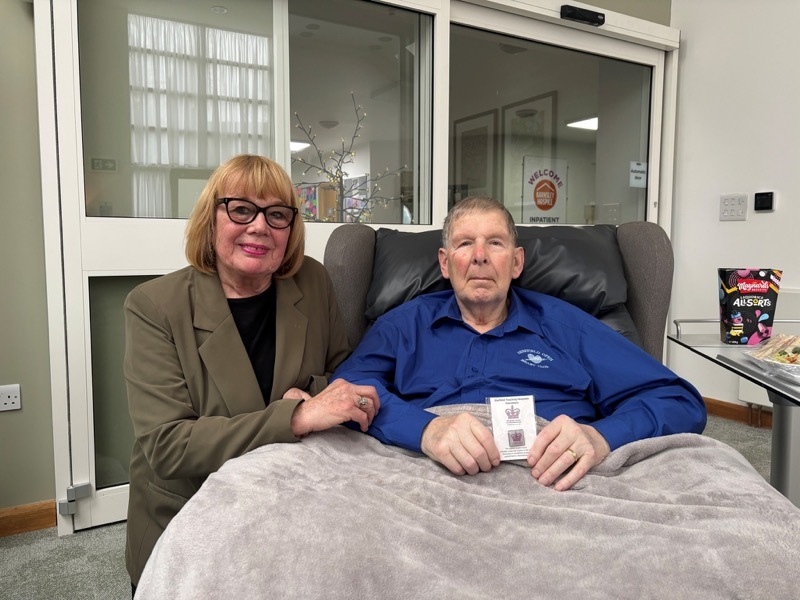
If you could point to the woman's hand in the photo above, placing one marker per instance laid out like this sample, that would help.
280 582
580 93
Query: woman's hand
338 403
297 394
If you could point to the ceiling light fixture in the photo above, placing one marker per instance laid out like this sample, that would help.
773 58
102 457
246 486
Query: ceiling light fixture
590 123
220 10
329 124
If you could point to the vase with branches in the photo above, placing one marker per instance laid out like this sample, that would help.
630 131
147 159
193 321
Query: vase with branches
365 191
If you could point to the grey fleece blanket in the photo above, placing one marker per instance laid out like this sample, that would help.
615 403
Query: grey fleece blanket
340 515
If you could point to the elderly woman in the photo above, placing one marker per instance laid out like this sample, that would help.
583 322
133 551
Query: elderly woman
232 352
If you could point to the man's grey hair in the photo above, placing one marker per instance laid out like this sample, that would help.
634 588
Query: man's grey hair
477 204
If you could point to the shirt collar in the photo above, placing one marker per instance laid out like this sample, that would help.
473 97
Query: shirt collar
517 317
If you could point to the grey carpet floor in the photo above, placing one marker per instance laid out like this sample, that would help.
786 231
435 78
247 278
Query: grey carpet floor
91 564
87 565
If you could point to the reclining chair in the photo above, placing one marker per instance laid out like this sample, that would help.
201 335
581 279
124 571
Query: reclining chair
620 274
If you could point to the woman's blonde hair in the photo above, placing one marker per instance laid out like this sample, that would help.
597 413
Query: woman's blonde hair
249 175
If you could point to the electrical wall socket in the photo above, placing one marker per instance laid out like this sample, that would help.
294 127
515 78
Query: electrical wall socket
733 207
10 397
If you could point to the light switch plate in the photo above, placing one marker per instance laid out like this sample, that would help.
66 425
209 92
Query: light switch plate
733 207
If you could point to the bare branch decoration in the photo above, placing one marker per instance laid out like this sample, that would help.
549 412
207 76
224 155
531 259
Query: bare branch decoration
333 168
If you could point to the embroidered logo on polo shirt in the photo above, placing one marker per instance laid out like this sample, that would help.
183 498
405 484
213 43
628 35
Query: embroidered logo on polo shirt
535 358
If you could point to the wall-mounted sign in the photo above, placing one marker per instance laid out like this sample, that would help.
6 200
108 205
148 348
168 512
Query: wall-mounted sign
544 190
638 174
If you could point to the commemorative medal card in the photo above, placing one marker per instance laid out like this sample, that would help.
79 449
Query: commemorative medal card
513 425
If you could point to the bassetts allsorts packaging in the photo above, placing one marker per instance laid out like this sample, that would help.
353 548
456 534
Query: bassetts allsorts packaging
747 300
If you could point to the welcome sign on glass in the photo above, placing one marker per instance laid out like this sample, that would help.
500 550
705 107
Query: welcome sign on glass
544 185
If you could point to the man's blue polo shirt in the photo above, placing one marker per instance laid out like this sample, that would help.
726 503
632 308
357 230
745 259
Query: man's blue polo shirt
422 354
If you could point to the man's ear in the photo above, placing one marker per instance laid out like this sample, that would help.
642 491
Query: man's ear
519 261
443 263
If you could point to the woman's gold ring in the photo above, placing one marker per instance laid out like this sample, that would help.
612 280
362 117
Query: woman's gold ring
574 454
362 402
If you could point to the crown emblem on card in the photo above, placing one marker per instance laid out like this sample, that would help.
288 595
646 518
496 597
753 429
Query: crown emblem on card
512 412
516 436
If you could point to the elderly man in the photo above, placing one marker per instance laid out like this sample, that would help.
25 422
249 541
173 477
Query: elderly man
598 390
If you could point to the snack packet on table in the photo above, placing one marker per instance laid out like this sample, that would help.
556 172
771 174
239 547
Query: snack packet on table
779 355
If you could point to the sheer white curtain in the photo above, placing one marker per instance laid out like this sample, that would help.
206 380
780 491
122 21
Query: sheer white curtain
198 96
238 88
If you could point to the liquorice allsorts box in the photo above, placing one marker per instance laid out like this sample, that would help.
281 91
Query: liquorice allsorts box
747 300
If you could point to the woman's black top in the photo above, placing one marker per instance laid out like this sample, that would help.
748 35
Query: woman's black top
255 320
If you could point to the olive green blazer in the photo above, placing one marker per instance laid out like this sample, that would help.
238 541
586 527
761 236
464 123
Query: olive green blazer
193 395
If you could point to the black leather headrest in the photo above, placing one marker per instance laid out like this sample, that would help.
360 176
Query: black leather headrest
406 265
581 265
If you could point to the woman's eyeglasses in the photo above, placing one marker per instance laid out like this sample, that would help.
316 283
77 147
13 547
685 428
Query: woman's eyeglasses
279 216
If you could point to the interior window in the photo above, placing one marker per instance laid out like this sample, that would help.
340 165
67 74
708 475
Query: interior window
198 95
558 135
195 89
359 83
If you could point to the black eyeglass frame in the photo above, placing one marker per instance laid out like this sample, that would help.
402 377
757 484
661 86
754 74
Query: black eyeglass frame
258 210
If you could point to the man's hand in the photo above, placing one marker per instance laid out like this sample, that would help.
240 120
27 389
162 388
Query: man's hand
461 443
553 448
338 403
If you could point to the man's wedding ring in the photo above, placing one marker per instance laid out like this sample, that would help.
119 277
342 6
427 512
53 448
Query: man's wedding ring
574 455
362 402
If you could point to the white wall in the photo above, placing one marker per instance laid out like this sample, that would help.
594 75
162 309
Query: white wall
737 132
26 435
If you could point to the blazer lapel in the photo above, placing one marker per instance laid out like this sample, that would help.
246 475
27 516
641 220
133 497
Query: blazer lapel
290 338
220 346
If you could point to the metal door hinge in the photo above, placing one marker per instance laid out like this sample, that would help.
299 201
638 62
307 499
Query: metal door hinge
74 492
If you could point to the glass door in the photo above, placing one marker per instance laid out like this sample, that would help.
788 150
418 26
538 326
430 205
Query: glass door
558 130
551 131
150 97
